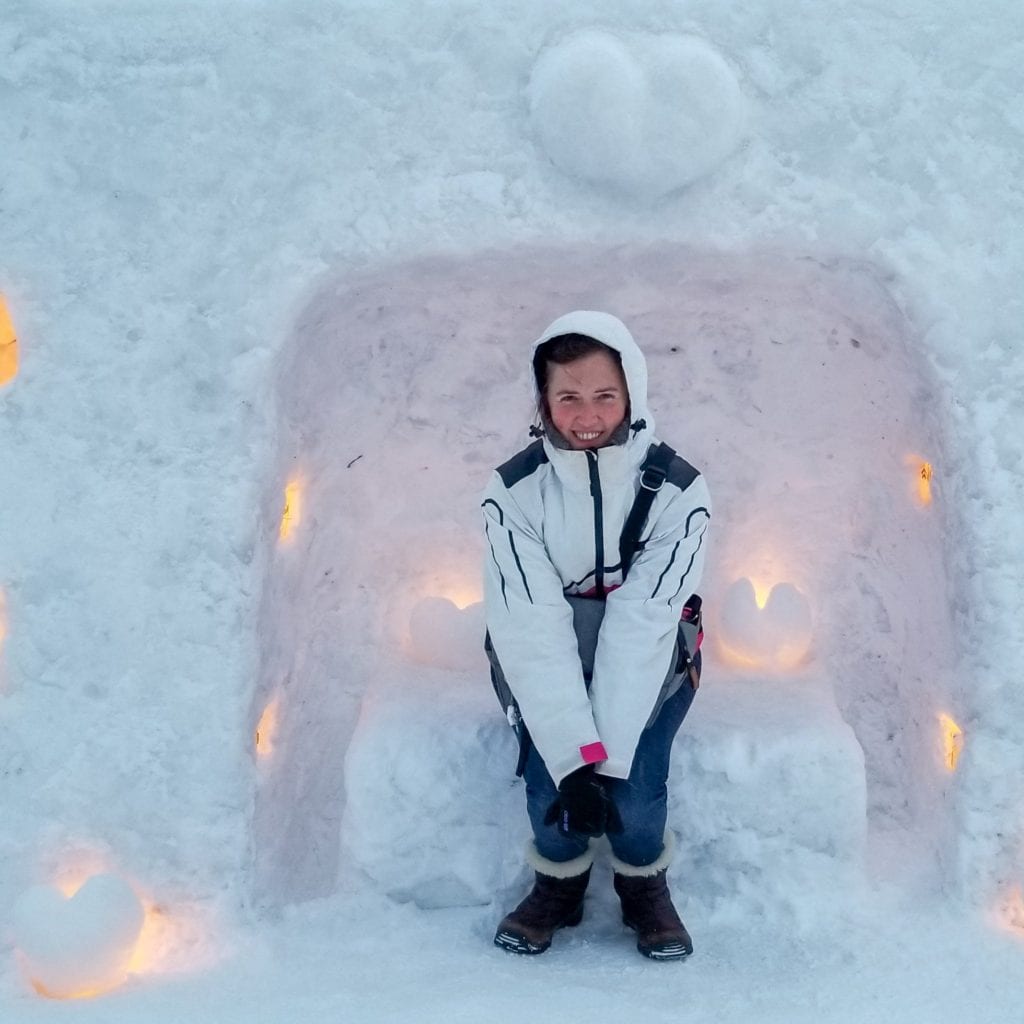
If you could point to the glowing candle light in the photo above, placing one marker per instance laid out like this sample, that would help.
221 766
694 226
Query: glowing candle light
8 346
292 514
952 741
266 729
924 483
766 627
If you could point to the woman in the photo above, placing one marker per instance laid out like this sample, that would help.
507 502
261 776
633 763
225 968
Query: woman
594 751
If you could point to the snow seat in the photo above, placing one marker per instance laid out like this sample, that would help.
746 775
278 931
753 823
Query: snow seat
766 794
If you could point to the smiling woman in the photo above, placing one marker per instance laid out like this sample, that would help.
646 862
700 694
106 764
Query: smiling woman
582 392
593 673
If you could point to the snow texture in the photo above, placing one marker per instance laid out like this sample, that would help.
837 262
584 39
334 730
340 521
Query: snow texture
646 114
313 241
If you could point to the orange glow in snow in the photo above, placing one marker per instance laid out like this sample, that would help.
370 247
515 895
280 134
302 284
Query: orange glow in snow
920 474
292 514
266 729
924 483
462 596
171 940
8 346
109 968
761 592
85 993
1013 911
153 940
764 625
952 741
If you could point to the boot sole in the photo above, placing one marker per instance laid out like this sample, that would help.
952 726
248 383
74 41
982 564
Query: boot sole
665 951
514 943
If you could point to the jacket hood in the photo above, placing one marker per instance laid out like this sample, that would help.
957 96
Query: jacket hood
611 331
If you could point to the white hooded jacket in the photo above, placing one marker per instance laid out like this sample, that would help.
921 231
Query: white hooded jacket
553 517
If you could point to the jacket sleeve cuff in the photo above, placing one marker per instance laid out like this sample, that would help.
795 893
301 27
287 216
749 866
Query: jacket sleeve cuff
592 753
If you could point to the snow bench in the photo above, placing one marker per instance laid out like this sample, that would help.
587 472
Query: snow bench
766 795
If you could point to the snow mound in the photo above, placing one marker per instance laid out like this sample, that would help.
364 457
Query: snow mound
768 793
82 945
646 114
430 815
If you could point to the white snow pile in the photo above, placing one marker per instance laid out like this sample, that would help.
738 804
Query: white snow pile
77 945
644 113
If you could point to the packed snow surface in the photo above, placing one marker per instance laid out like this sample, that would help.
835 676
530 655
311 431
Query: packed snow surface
246 245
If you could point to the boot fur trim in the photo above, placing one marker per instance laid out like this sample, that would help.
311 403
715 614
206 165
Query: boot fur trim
558 869
647 870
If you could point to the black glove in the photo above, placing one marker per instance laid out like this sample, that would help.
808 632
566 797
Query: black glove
582 807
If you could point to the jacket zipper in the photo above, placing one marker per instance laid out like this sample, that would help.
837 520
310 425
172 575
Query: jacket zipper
595 494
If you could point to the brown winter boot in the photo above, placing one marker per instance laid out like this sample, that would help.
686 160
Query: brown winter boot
556 901
647 909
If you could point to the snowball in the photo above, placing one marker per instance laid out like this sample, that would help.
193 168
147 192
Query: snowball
777 635
77 946
442 635
645 113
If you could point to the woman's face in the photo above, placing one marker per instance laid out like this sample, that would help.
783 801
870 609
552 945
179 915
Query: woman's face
587 399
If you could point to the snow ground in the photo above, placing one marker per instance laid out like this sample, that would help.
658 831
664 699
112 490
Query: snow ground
357 957
182 191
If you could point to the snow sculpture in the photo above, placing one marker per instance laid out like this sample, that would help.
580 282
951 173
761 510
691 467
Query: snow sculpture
773 633
77 947
8 346
646 114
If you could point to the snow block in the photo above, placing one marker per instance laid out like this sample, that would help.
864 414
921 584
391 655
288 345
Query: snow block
434 813
767 795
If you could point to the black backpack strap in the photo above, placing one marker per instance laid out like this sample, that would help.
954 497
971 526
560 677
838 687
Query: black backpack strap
653 473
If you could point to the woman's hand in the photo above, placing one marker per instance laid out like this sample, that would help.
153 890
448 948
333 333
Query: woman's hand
583 807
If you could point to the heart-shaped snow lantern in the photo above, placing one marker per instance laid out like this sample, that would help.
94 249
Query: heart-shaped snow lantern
645 114
446 636
775 633
82 946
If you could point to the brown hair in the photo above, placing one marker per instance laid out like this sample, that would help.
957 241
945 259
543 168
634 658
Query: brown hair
567 348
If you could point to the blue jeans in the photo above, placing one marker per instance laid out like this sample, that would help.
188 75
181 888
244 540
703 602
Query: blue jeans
641 800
